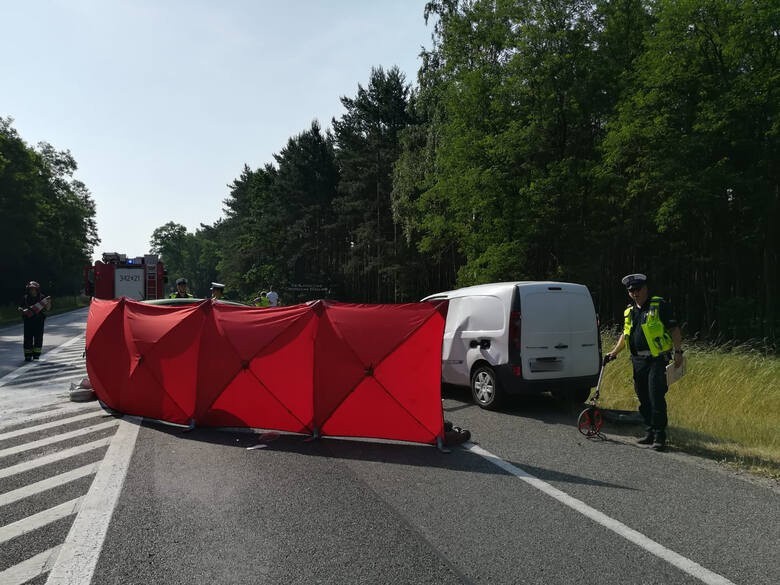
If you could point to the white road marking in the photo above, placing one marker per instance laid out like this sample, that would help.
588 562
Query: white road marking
48 425
38 520
28 365
30 569
54 410
78 558
48 377
684 564
54 457
47 484
57 438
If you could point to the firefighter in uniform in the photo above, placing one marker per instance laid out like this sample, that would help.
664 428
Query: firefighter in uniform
181 290
654 338
33 309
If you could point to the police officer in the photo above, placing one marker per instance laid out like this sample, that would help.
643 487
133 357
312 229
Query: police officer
217 290
33 308
262 300
181 290
653 336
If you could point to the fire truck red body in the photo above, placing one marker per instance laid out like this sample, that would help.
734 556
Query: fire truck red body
141 278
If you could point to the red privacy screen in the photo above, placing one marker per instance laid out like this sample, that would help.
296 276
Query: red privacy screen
325 368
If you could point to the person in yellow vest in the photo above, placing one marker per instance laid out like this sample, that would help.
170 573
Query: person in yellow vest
262 300
654 339
181 290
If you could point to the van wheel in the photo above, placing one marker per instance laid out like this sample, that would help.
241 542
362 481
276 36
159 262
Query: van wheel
484 388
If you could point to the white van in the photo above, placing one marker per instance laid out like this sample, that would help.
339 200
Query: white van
512 337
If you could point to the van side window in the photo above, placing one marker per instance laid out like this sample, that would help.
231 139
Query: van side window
478 313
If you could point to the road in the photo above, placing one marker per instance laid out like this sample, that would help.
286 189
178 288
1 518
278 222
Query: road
530 500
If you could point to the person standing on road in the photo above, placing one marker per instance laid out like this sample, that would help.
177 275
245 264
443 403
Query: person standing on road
33 309
181 290
652 334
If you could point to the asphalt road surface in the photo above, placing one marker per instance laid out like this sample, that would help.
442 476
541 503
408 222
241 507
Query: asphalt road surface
529 500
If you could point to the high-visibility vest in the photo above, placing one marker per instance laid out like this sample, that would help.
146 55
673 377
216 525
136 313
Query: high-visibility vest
658 338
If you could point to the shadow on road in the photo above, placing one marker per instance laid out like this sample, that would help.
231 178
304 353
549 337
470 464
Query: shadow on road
546 409
391 453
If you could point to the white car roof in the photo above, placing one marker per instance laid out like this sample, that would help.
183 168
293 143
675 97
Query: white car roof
501 288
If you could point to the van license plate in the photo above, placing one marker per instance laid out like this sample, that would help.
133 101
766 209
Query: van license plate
546 365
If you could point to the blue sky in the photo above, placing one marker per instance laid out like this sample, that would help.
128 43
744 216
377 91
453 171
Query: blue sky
162 102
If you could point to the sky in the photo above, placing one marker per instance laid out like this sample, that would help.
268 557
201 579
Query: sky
162 102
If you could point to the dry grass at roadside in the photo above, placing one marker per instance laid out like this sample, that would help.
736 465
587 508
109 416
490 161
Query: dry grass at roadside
727 406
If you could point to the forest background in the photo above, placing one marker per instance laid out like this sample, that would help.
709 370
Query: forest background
543 139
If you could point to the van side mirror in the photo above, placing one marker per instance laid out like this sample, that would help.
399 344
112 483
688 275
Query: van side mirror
473 343
484 344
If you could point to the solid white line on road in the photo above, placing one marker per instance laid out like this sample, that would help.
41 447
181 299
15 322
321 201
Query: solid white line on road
47 484
38 520
57 438
684 564
54 457
28 365
48 425
78 559
31 568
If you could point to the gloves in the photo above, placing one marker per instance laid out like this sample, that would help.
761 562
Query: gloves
607 358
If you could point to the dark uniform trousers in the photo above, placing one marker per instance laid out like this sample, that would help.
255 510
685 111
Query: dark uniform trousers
33 336
650 387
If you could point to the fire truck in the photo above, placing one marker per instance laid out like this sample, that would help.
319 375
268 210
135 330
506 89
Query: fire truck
141 278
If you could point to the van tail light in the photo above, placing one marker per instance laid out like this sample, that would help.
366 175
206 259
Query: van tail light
517 371
514 330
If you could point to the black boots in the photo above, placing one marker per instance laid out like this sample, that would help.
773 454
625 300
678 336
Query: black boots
659 444
647 439
656 440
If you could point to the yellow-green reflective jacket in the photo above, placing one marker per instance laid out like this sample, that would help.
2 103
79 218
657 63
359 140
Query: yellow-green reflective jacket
658 339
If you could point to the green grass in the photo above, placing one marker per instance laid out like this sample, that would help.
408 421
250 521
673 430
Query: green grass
727 406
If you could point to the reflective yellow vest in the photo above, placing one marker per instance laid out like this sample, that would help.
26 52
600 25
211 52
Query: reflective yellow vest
658 338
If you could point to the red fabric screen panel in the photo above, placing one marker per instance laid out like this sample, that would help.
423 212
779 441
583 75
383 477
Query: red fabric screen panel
268 354
378 371
108 360
333 368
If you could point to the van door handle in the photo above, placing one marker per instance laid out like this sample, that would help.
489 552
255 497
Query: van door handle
561 346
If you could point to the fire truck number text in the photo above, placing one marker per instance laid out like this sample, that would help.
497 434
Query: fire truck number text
127 278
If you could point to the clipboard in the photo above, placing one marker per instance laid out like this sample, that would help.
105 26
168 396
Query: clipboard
673 374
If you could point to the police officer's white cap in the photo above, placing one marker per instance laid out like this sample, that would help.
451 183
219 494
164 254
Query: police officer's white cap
181 281
217 285
632 280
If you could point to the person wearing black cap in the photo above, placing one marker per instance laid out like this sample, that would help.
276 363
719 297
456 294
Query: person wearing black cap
181 290
653 337
33 308
217 290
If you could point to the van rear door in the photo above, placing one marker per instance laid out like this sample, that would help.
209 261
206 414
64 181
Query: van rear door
559 334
